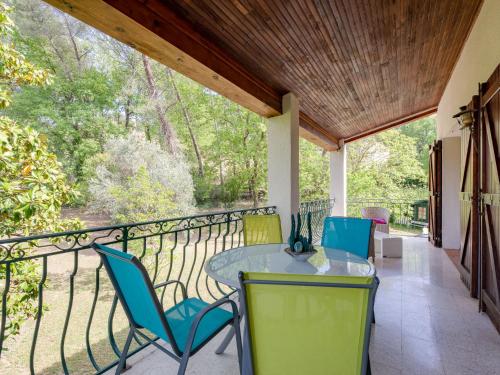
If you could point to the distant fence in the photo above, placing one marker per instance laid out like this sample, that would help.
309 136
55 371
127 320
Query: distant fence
411 213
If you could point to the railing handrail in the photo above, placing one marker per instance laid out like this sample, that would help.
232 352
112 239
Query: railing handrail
391 200
318 201
161 227
402 210
118 226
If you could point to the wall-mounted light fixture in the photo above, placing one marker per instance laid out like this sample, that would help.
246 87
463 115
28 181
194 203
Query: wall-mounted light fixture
465 117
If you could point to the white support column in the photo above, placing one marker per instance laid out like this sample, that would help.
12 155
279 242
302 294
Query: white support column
283 161
338 181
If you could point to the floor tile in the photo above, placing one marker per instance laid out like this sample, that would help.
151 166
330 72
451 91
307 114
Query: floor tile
421 356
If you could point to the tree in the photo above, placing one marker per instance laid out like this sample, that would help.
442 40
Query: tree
77 110
385 166
314 178
424 133
187 119
15 70
169 138
32 185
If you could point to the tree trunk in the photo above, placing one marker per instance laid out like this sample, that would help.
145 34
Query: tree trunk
253 182
187 119
78 56
169 136
128 112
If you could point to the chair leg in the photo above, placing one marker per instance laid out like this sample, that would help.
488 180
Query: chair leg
377 280
183 365
121 364
237 334
368 367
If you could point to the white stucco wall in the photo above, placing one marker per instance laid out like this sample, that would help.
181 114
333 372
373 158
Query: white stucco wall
338 181
283 161
479 57
451 189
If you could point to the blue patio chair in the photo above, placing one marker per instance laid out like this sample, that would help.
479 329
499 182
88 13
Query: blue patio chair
350 234
187 326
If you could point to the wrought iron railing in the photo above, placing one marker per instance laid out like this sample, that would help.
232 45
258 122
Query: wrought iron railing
403 211
78 326
319 210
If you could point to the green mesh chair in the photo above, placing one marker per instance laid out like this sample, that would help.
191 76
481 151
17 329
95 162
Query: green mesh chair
187 326
303 324
261 229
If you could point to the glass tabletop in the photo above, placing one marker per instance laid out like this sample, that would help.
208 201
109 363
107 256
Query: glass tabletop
224 267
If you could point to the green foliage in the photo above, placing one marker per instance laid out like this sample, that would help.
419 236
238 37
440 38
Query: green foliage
232 144
385 166
74 114
141 199
135 180
32 184
314 177
424 133
21 300
15 70
33 190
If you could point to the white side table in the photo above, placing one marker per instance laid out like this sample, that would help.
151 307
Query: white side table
388 246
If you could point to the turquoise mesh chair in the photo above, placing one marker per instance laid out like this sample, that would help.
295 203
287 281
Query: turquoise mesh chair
262 229
187 326
350 234
307 324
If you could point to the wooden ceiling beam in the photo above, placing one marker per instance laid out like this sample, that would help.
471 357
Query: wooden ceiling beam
313 132
153 29
394 123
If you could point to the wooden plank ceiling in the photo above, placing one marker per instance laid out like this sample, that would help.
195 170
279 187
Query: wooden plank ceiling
357 66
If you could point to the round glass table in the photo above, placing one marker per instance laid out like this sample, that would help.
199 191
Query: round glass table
224 267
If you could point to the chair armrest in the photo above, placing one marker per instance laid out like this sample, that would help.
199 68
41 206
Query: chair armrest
164 284
202 313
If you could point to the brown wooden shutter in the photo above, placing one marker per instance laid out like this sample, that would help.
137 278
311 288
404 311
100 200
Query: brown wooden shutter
490 197
435 192
469 207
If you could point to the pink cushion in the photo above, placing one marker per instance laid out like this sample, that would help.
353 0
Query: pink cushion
379 220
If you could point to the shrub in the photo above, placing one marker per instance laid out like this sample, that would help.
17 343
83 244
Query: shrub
32 184
135 180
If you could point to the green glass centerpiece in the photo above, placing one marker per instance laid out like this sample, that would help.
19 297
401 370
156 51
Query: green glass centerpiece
301 247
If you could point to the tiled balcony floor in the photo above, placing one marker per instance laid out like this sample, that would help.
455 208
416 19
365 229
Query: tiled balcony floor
426 324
